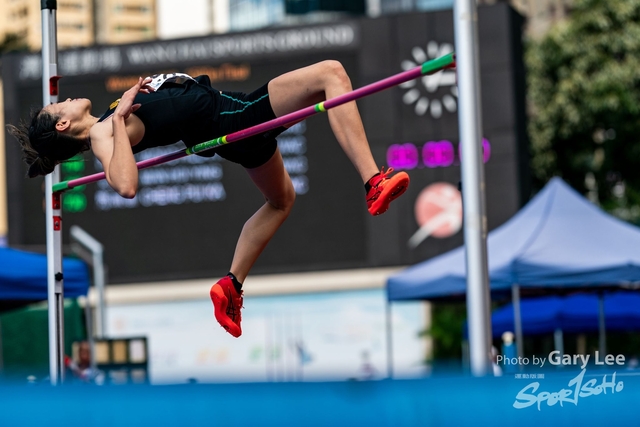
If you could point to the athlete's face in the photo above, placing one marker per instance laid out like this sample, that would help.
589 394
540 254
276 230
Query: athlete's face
71 109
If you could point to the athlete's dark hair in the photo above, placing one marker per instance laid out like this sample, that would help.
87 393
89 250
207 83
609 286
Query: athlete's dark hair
43 147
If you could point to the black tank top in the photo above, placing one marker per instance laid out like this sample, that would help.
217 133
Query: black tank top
176 111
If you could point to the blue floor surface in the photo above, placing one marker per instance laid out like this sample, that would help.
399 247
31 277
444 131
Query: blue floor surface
558 399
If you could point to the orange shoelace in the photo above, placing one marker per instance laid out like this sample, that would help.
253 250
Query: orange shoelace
376 187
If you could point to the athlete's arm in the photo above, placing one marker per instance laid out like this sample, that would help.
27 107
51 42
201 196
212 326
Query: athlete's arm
120 168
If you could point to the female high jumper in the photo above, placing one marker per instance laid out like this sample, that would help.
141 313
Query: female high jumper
161 111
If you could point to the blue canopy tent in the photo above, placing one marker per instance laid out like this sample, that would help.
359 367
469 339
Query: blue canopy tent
558 241
23 276
571 314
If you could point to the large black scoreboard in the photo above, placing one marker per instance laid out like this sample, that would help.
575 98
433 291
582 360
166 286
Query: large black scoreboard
184 222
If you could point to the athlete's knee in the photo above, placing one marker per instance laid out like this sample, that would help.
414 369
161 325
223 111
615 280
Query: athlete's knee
334 72
284 202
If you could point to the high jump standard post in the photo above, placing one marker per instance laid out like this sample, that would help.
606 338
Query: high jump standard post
52 201
474 210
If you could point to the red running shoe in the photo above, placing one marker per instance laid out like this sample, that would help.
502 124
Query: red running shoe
227 304
385 189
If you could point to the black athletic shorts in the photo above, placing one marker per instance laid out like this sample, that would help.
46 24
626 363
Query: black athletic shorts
239 111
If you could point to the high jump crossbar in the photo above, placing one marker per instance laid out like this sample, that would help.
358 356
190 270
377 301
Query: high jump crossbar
429 67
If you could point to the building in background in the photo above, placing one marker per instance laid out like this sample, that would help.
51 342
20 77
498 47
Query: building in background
252 14
19 17
245 15
540 15
82 22
125 21
87 22
192 18
22 18
75 21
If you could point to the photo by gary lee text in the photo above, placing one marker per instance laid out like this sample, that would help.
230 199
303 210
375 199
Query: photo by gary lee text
556 358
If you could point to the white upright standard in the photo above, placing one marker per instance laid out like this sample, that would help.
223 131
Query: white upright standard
473 185
53 202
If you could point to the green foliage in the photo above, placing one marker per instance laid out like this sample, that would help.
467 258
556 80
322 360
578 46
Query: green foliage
446 330
584 91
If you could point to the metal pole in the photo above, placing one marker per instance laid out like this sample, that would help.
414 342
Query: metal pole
90 340
517 318
97 255
475 221
602 341
53 202
558 341
389 316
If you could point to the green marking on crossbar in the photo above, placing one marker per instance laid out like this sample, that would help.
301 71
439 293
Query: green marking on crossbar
438 63
206 145
319 107
61 186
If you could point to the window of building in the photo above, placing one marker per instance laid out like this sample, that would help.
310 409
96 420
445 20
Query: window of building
74 26
131 8
249 14
20 13
132 28
434 4
71 5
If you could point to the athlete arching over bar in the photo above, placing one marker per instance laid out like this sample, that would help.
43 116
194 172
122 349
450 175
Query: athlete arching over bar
162 111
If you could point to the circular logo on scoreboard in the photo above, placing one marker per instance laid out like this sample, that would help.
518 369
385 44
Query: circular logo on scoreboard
438 211
433 94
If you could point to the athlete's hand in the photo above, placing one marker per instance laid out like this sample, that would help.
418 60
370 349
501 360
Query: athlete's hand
126 106
145 88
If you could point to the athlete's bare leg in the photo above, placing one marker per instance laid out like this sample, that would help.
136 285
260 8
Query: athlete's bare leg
316 83
287 93
273 181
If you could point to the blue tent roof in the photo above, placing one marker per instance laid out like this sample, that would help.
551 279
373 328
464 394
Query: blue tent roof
572 314
559 239
23 276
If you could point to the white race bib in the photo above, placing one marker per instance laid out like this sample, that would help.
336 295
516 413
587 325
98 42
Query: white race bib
159 79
